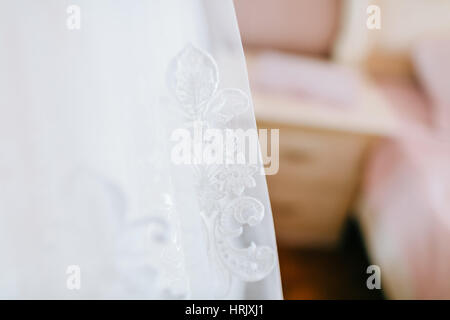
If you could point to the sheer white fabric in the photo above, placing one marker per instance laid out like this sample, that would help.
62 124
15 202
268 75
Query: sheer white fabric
86 175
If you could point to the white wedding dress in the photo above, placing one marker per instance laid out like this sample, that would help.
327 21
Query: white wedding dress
86 177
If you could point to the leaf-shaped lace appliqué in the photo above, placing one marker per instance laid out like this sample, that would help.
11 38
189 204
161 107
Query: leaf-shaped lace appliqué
194 81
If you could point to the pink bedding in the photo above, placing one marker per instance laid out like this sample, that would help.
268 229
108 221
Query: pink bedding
432 62
407 192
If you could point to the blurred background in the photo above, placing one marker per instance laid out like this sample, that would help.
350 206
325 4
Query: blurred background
364 119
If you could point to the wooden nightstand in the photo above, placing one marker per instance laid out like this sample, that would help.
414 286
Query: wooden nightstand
322 152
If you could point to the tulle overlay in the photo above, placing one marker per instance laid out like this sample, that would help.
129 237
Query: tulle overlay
87 177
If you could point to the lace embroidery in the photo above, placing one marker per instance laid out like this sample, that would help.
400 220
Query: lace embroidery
137 240
224 208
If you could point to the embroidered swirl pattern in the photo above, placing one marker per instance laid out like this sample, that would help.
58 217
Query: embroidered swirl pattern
225 208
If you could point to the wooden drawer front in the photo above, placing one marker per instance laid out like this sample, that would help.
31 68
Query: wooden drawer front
312 192
318 154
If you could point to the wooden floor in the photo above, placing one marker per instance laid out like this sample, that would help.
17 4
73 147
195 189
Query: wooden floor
328 274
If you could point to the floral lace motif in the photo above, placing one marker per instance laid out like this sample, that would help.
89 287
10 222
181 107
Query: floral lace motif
194 81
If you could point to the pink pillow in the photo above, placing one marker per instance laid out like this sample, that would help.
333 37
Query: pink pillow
315 79
431 60
302 26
